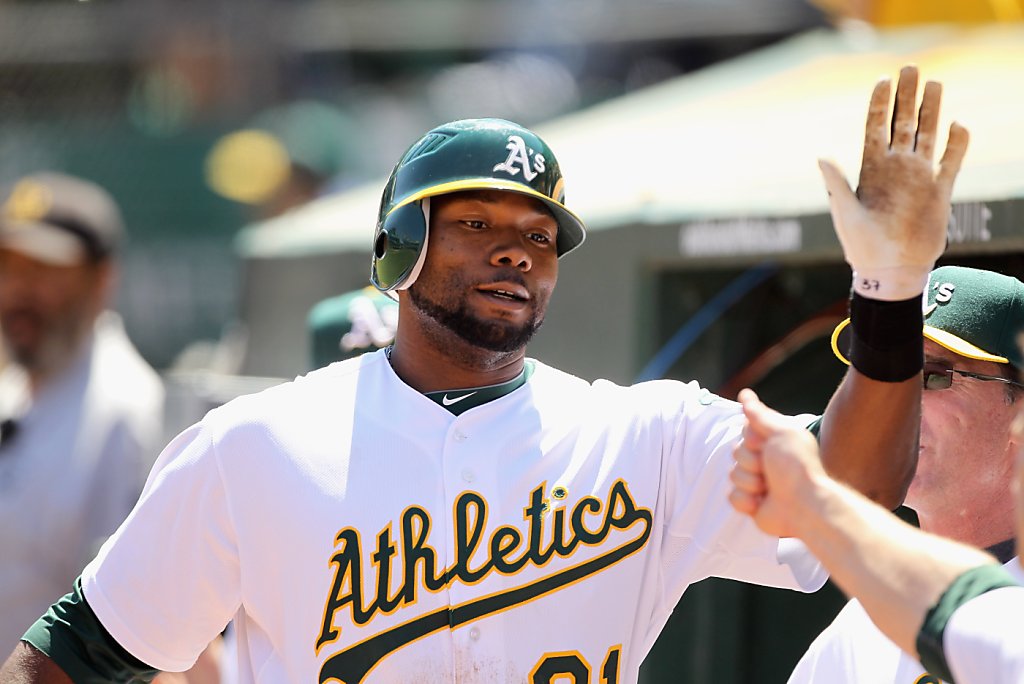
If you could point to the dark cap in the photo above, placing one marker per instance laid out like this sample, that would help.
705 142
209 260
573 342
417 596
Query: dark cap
60 220
973 313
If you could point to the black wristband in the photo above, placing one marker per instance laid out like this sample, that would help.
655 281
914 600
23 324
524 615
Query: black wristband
886 341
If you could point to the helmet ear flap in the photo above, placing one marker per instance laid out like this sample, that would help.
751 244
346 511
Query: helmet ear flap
400 246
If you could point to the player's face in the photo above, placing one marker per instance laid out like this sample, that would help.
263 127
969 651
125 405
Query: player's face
966 460
490 268
45 310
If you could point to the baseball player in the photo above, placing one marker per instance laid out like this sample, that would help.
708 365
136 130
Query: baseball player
449 510
961 489
948 603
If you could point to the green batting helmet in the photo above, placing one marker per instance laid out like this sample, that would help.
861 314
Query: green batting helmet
471 154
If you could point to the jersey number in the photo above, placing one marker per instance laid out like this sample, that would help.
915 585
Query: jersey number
570 666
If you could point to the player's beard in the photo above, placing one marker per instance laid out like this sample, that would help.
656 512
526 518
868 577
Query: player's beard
453 313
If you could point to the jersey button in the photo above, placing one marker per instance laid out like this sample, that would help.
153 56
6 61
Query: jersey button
468 475
474 634
460 436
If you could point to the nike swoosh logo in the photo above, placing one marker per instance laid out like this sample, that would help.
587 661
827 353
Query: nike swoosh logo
448 402
928 309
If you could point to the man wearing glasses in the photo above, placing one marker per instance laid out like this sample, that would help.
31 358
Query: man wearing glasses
961 489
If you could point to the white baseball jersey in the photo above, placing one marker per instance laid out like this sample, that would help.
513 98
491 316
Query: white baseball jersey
852 649
359 532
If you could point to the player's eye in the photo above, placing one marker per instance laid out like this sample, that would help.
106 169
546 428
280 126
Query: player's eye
474 223
540 237
936 377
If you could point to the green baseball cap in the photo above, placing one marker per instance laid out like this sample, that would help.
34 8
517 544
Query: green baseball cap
971 312
351 324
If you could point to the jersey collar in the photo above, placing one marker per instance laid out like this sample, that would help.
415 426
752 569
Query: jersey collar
458 401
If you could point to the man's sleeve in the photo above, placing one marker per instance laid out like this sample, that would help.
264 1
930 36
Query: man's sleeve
167 582
72 637
701 524
973 627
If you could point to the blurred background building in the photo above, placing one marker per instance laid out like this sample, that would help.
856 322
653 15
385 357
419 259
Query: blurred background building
248 140
135 94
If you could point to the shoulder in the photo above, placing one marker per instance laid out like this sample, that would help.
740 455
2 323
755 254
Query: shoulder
322 396
847 649
853 624
851 631
661 396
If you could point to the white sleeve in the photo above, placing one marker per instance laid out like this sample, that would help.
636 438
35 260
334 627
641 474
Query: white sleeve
702 524
984 639
167 582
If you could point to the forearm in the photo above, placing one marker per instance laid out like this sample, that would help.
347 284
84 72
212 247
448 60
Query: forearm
869 436
26 665
897 572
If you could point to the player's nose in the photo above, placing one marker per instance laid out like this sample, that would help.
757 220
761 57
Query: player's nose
509 250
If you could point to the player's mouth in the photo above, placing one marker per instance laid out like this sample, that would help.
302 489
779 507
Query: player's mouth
509 293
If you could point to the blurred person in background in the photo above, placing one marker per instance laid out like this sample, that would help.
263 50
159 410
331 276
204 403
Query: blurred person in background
281 161
354 323
288 156
962 487
80 411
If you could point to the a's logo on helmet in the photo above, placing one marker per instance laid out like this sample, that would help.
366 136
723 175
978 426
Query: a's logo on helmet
521 158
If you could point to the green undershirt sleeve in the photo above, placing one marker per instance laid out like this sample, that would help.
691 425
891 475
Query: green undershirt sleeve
967 586
71 635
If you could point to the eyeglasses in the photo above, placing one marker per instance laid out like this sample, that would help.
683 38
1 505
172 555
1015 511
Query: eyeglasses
939 378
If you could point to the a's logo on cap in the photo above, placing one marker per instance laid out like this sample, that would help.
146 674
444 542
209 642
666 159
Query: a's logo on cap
29 201
521 158
943 295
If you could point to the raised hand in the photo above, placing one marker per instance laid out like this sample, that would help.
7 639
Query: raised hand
894 228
